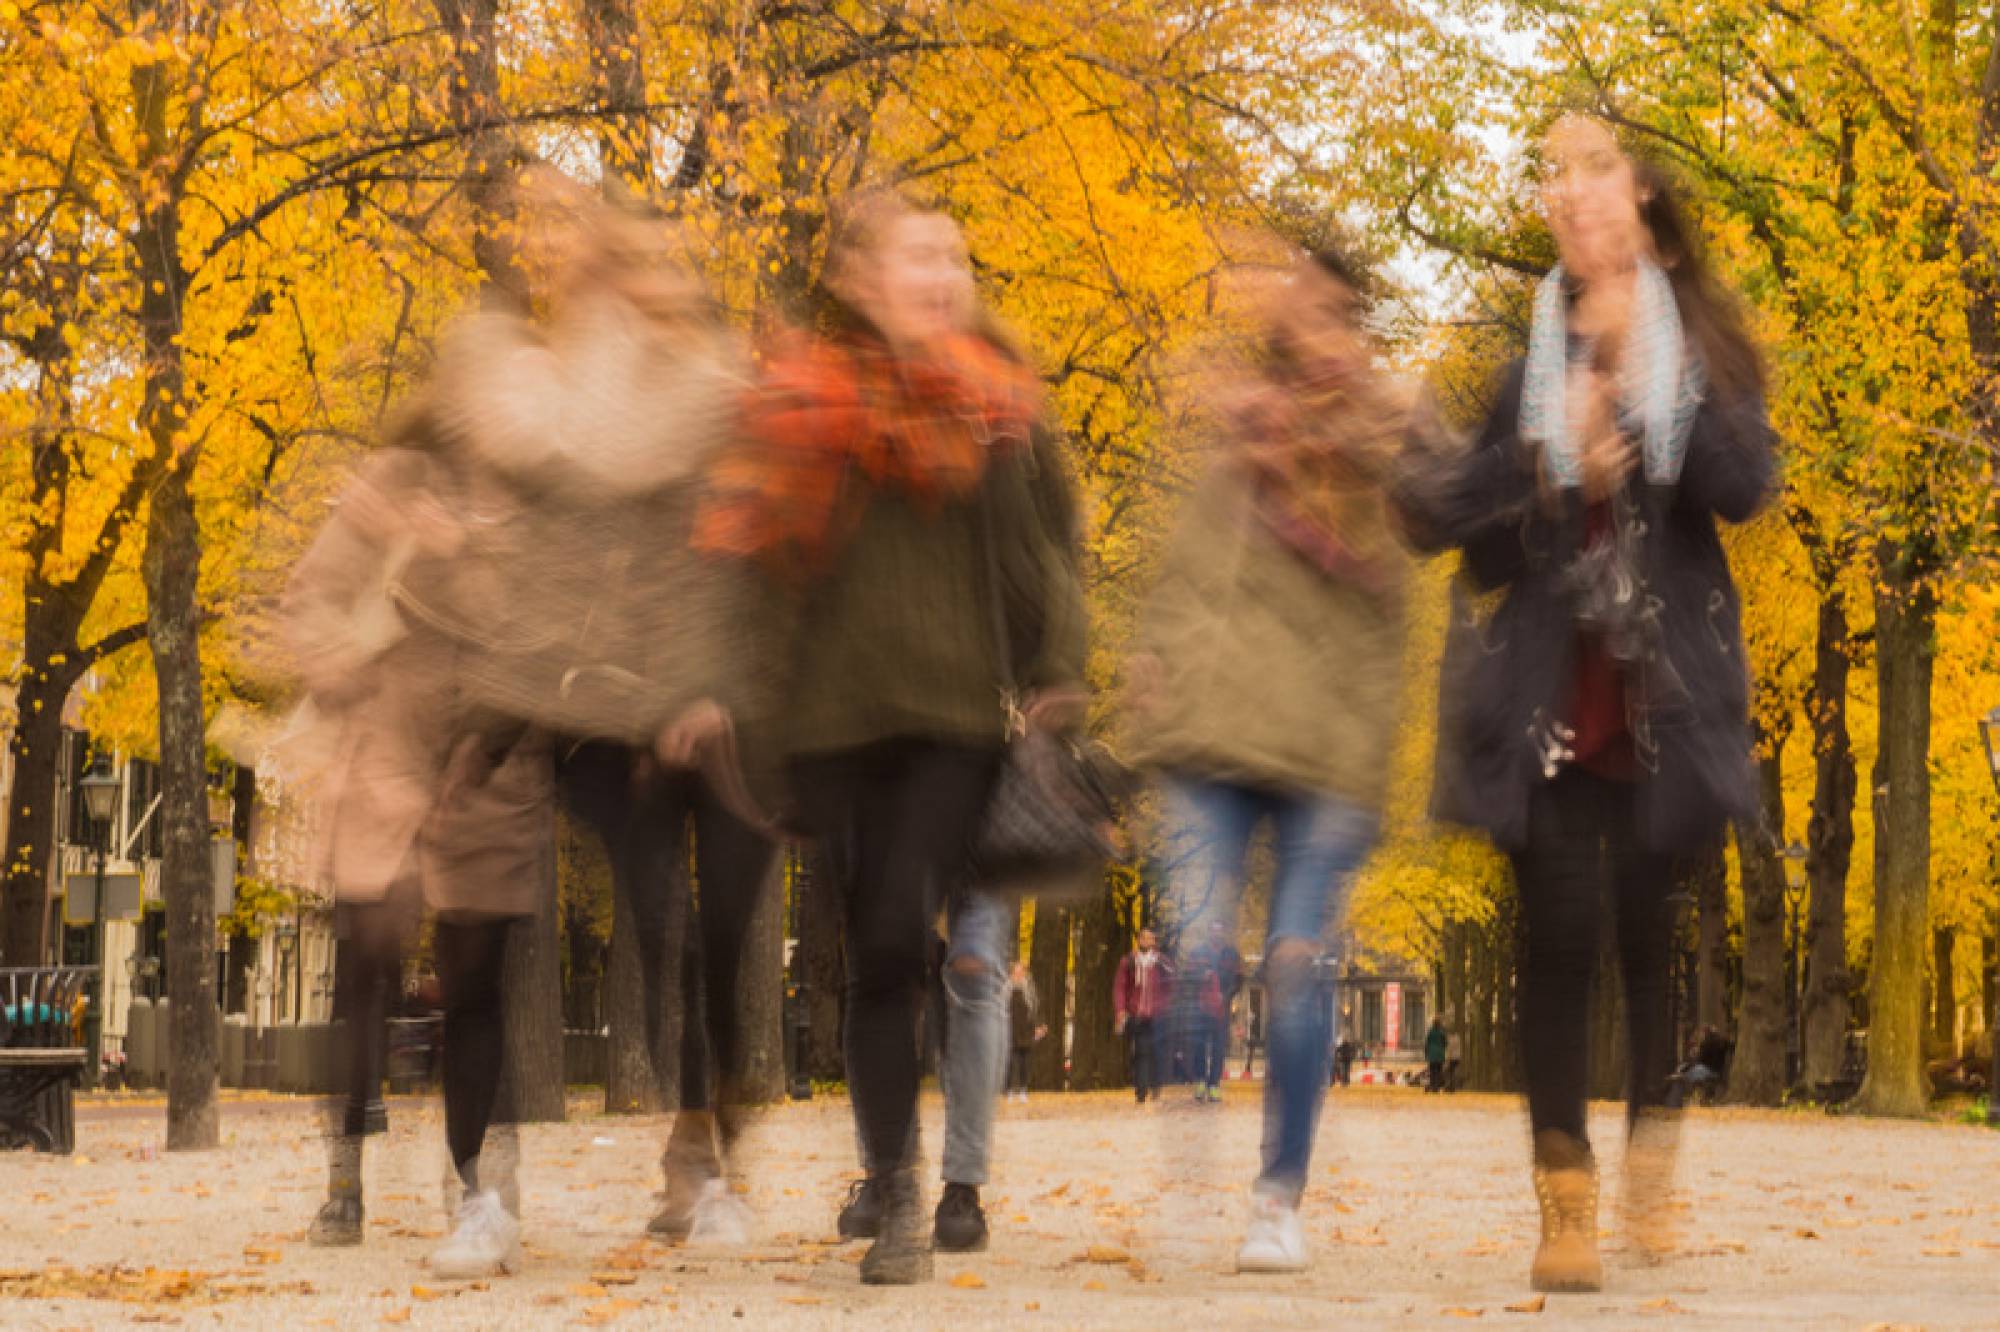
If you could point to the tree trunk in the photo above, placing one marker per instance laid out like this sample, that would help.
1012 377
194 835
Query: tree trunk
1048 964
536 1076
819 965
1944 994
1905 611
1757 1069
31 815
760 994
1097 1056
631 1080
1711 895
173 566
1830 850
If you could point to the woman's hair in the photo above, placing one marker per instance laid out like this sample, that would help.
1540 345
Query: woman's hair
1275 352
1711 316
1710 313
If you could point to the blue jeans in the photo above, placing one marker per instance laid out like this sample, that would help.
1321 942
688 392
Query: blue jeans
975 1038
1320 841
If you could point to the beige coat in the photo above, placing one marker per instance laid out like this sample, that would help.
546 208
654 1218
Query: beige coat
1271 673
403 773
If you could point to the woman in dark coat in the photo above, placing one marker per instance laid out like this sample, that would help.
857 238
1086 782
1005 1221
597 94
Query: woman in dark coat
1596 725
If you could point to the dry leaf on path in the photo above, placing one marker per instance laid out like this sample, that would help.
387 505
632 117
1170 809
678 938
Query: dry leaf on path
1534 1304
969 1281
1458 1312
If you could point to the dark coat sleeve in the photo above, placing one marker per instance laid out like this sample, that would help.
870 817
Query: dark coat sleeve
1730 466
1478 501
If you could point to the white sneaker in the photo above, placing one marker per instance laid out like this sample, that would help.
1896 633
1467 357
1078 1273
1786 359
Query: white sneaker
721 1219
485 1241
1276 1242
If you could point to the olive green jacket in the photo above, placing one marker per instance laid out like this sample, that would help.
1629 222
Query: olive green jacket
1273 674
900 639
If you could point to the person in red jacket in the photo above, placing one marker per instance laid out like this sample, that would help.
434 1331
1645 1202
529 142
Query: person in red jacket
1139 998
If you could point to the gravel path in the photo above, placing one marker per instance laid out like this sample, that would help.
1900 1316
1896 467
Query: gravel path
1419 1215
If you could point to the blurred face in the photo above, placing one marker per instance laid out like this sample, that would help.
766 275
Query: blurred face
916 283
1592 198
1318 318
1146 941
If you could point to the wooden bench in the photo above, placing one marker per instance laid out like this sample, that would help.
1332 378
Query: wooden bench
40 1060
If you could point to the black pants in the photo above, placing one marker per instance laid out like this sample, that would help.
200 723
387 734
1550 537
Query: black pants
370 939
1145 1039
1583 851
645 817
471 953
1017 1067
894 821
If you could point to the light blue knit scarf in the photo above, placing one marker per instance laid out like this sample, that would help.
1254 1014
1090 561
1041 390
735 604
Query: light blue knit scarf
1660 391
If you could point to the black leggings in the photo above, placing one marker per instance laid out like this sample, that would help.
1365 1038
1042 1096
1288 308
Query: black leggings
471 953
895 821
644 816
1581 841
370 938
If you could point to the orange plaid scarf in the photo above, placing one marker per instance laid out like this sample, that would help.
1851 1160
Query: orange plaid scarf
828 411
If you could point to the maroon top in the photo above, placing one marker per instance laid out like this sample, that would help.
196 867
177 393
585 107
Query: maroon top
1596 706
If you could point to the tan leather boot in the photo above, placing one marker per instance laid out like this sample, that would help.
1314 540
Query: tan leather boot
1566 1187
1646 1202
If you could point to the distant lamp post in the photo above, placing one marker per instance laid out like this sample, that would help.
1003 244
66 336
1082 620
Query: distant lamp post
100 797
1989 740
1795 894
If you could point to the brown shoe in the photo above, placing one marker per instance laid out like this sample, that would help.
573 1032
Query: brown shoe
1566 1187
1646 1202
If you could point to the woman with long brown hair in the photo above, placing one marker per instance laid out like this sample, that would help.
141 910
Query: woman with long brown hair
898 481
1598 726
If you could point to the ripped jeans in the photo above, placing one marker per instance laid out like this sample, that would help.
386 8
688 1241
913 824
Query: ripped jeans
975 1037
1320 841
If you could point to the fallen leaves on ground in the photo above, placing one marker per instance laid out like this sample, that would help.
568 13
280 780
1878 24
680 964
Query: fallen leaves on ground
1533 1304
969 1281
128 1285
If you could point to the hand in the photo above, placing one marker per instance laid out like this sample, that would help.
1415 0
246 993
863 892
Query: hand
700 725
1607 456
1041 1031
1058 709
1118 1025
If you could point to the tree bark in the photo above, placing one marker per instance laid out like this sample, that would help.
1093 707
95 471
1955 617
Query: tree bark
1097 1053
631 1081
1905 612
1944 993
536 1076
760 994
1757 1069
1830 849
172 567
31 815
1711 896
1048 964
819 964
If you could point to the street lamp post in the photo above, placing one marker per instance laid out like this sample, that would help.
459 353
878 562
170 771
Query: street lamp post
1795 892
1989 739
100 794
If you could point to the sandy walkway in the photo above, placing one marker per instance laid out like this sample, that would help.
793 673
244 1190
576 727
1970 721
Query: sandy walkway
1419 1214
